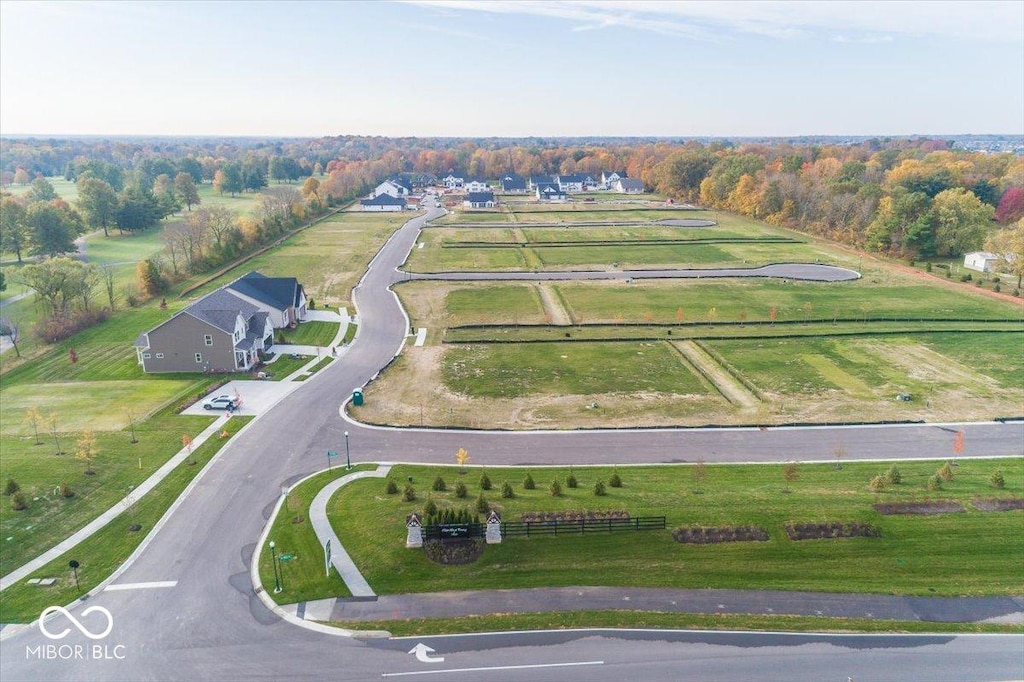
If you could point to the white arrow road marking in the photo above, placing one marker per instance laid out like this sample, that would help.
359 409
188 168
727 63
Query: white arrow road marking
422 652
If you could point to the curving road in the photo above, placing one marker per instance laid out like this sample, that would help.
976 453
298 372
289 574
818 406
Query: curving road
208 624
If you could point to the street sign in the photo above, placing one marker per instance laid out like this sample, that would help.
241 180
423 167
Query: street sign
287 557
455 531
327 556
332 453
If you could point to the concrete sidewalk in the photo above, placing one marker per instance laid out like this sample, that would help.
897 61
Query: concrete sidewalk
750 602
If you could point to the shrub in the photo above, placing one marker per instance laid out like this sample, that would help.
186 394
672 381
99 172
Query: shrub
58 328
946 472
571 482
997 480
506 491
439 485
615 481
485 482
878 483
1016 292
460 490
18 501
997 288
11 487
430 508
790 472
66 492
409 494
391 488
599 489
935 482
928 267
528 484
481 504
893 476
555 488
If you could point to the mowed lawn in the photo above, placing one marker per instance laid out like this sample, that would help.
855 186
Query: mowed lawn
511 371
970 553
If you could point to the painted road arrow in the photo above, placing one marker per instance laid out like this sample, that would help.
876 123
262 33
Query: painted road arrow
422 652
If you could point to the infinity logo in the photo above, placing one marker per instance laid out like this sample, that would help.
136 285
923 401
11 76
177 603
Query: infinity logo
74 621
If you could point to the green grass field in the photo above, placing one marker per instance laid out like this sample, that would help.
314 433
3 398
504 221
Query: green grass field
972 553
311 333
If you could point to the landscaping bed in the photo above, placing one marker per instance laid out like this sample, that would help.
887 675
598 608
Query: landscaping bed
457 552
573 515
825 531
701 535
995 504
928 507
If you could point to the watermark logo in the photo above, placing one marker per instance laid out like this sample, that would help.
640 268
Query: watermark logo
74 621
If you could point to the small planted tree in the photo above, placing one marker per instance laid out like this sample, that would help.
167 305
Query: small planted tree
430 508
599 489
528 483
130 415
34 418
893 476
481 504
555 488
85 451
946 472
506 491
11 487
439 485
460 490
878 484
186 442
18 502
699 472
462 457
935 482
571 482
66 492
996 480
614 481
52 421
485 482
409 494
790 472
391 488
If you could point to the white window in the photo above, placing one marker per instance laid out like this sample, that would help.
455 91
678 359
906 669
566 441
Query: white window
208 339
159 356
199 357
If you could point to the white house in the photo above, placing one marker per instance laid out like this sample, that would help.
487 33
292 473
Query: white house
392 189
628 186
570 183
608 177
453 180
982 261
549 192
479 200
475 185
383 202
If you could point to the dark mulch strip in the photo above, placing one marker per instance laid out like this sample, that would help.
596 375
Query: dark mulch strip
927 507
699 535
454 552
573 515
996 504
824 531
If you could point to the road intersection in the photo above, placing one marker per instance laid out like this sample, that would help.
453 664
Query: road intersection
197 616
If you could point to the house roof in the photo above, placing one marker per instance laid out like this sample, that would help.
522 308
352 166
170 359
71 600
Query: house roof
402 182
571 177
621 174
982 254
630 183
278 292
453 174
479 197
512 182
220 309
539 179
383 200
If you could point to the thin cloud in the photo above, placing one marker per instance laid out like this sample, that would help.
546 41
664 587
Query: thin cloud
870 21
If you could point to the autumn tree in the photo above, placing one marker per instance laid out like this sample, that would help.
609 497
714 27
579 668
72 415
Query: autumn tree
98 202
86 450
60 281
51 421
33 417
53 227
148 277
14 230
961 221
1011 205
1008 244
186 190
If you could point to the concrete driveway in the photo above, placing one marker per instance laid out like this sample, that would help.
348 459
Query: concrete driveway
257 396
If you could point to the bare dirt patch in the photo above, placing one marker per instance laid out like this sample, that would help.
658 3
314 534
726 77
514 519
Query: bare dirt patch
553 308
996 504
826 531
700 535
927 508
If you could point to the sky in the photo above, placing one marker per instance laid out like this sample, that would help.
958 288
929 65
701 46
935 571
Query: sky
518 68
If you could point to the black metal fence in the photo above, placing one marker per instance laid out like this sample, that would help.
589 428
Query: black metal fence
451 531
576 526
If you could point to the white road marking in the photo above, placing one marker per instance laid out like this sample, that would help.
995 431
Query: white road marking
497 667
140 586
421 336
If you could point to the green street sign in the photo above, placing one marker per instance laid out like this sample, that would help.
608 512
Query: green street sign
287 557
332 453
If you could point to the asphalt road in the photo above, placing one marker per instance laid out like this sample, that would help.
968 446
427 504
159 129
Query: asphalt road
209 625
811 272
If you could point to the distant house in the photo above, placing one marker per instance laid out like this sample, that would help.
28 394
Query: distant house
513 184
608 177
570 183
475 185
479 200
628 186
549 192
392 188
982 261
383 202
453 180
282 298
536 180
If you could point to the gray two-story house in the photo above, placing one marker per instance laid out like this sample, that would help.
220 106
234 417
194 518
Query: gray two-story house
223 331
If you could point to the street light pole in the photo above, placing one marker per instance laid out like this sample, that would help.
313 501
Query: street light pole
348 459
277 577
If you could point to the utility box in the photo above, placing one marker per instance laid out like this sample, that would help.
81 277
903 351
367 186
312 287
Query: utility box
357 397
